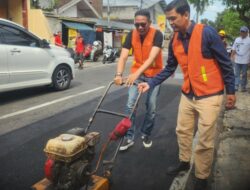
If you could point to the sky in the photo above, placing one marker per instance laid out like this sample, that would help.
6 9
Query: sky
210 12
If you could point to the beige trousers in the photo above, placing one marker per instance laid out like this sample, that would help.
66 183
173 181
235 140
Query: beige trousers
206 112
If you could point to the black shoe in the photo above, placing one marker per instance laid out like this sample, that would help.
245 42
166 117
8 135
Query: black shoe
200 184
147 142
182 166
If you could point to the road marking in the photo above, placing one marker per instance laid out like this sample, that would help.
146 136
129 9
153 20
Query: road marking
50 103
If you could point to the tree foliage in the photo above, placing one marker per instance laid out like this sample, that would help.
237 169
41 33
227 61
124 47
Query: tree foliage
200 6
242 7
229 21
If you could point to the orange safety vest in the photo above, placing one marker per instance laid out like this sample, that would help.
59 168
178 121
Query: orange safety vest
142 51
201 73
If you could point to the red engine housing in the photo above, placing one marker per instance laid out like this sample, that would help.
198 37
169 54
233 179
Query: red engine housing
121 129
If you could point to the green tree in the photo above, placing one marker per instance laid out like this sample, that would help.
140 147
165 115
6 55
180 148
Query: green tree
242 7
229 21
199 6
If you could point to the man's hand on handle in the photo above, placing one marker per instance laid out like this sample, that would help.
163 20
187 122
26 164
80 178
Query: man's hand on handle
118 80
131 79
143 87
128 81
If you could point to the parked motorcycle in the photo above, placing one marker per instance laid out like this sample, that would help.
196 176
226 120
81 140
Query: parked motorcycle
93 52
109 54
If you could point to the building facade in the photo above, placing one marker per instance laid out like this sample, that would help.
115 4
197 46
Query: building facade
124 11
16 11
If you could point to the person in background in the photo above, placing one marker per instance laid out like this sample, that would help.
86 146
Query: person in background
58 39
241 57
222 35
72 46
79 50
146 43
207 69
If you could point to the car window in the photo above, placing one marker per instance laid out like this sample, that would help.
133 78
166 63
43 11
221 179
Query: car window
13 36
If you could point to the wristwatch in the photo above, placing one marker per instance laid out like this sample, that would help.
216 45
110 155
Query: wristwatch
118 74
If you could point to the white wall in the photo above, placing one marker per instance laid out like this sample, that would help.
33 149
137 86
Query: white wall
127 13
154 12
80 14
120 13
46 4
71 12
54 24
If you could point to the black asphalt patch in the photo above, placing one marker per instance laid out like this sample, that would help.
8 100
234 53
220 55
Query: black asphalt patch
22 157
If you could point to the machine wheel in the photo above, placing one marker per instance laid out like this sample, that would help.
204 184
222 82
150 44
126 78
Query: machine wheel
104 59
113 59
61 78
95 58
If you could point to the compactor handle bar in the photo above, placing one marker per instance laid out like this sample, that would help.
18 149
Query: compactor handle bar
98 110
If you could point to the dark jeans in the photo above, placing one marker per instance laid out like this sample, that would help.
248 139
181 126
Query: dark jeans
78 57
241 70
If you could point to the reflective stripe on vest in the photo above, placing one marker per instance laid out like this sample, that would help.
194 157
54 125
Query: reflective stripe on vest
142 51
202 74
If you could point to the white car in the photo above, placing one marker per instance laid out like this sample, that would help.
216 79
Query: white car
27 61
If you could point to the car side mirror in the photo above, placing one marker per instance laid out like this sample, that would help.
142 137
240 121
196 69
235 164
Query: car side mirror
45 44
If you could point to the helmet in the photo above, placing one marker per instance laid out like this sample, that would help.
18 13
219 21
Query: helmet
222 33
95 43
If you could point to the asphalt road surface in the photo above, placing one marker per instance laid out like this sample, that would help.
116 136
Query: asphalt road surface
21 151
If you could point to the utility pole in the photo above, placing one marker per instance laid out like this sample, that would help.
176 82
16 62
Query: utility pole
141 4
108 15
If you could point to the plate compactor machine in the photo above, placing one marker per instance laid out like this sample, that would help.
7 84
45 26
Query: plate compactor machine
69 164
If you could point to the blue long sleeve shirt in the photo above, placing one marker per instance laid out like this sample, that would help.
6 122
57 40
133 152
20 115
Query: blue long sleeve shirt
212 47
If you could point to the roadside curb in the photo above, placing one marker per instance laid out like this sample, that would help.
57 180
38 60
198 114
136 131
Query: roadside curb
231 169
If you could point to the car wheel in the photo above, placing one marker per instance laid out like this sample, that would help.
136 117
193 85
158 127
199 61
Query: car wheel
61 78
